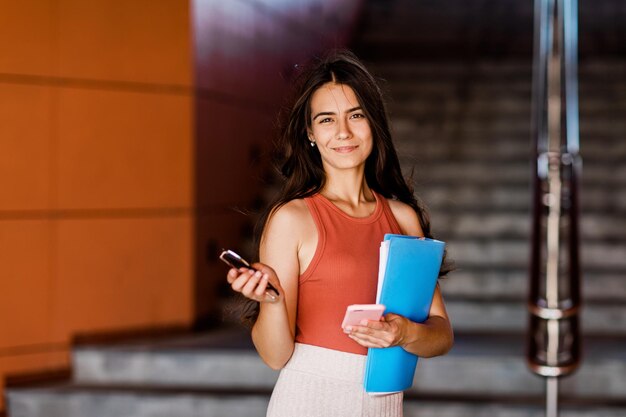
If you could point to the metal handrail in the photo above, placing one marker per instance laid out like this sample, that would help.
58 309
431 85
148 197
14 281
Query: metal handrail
553 345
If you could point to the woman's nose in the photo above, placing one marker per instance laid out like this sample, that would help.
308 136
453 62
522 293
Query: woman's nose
343 130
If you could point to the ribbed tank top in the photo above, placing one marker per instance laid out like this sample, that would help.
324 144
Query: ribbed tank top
343 271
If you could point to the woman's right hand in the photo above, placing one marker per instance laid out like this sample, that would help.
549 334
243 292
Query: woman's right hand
253 284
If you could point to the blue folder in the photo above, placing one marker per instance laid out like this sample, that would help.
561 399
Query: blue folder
411 274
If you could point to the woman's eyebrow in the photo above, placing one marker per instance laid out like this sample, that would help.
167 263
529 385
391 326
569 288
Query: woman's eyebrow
331 113
324 113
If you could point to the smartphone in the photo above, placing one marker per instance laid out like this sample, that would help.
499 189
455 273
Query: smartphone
355 313
232 259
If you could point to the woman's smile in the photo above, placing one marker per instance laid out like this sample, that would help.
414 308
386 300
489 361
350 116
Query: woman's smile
345 149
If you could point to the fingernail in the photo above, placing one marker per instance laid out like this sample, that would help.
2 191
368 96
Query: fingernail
266 277
348 329
257 274
364 322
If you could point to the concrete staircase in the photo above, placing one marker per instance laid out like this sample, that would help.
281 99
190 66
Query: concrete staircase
463 128
472 168
218 374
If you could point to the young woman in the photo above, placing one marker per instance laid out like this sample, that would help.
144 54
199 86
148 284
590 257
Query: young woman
319 248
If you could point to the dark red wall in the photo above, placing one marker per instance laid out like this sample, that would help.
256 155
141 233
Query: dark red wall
245 51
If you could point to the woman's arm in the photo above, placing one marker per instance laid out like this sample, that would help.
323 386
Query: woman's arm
434 336
274 331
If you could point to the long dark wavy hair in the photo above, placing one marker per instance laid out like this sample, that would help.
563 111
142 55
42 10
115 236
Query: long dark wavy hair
301 165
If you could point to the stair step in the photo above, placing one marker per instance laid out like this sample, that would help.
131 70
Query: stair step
74 400
210 360
512 316
489 86
467 89
493 225
412 127
457 116
596 70
602 70
471 91
437 107
197 363
474 252
430 145
504 127
497 365
486 284
486 198
501 85
513 173
494 79
504 70
412 123
454 172
495 409
485 358
80 401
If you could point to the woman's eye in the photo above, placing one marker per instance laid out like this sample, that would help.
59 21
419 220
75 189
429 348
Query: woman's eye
357 116
326 120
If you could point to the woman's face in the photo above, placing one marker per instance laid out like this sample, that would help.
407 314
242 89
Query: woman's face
339 127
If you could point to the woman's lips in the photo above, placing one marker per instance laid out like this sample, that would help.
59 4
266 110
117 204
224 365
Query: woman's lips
345 149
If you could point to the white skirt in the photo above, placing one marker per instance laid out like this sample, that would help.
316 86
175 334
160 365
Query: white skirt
320 382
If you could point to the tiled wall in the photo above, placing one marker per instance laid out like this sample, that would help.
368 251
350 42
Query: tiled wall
96 172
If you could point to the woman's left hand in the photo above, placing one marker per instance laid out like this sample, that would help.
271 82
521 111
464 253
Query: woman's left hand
391 330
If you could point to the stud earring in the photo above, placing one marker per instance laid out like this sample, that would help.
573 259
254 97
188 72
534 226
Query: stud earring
312 144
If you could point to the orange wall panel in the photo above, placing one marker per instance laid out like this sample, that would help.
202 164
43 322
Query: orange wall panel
28 33
124 149
96 117
122 273
26 260
145 41
25 147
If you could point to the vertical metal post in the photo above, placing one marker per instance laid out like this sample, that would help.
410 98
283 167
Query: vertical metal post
554 297
552 396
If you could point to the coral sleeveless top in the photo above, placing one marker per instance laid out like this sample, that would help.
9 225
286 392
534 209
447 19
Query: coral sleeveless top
343 271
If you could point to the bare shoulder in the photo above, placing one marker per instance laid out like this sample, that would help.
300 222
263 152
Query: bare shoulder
289 214
406 218
284 235
288 220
